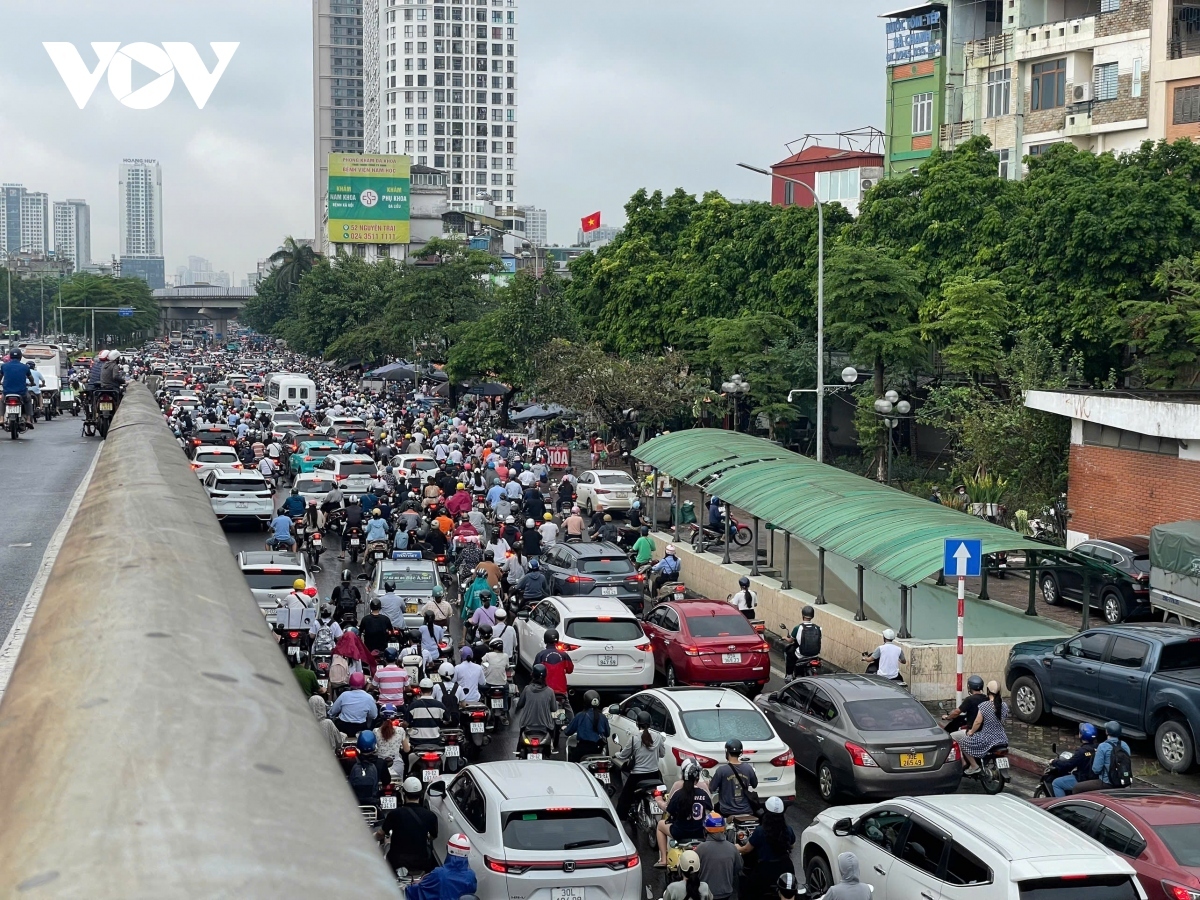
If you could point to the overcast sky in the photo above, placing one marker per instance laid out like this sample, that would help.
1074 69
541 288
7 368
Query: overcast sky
613 96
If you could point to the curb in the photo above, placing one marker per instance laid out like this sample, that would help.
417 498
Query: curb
1025 762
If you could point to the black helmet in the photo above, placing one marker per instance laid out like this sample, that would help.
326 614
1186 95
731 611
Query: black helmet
644 531
592 698
1113 729
743 582
643 719
489 554
788 885
485 597
345 574
975 683
485 632
808 612
551 636
15 353
538 673
733 747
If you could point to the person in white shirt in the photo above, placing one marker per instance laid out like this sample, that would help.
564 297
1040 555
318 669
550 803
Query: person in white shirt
502 631
468 677
549 532
455 456
526 477
745 599
890 656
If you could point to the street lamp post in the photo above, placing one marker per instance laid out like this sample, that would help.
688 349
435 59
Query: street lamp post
734 388
820 302
884 407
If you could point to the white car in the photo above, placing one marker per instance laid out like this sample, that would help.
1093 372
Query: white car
963 847
190 402
313 486
332 423
605 489
212 457
271 575
240 495
538 830
696 722
416 469
283 422
605 640
353 472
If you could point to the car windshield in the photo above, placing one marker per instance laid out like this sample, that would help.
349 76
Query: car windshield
719 725
617 479
1184 655
233 485
272 581
357 468
1183 841
707 626
560 829
889 714
603 628
606 565
408 579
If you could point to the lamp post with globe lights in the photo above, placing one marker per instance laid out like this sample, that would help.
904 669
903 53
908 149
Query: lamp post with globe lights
850 379
891 409
735 388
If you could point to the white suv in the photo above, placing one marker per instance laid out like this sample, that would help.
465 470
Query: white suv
352 472
605 640
964 847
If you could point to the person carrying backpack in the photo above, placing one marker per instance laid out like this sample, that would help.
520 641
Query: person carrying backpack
805 642
325 632
1112 766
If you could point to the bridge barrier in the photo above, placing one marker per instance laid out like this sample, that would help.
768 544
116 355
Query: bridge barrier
155 742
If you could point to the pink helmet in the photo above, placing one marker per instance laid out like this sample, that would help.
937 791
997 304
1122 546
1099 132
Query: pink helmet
357 680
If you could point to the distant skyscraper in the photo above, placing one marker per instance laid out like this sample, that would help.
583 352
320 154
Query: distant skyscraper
140 221
598 237
73 232
26 225
535 225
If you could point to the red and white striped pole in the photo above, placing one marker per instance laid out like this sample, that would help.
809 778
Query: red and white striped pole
958 658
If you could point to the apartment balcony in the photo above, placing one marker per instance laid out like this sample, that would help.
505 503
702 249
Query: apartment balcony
954 133
1183 48
1078 123
1056 38
989 51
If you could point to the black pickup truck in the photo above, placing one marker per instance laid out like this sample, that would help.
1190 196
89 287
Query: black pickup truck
1147 677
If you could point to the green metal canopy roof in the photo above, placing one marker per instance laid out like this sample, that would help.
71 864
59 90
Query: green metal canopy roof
893 533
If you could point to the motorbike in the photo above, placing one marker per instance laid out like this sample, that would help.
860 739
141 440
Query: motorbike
354 542
292 643
532 743
998 564
106 402
14 421
452 751
1045 787
377 552
801 665
992 774
701 537
48 410
496 695
601 768
873 669
313 550
474 718
427 765
320 663
672 590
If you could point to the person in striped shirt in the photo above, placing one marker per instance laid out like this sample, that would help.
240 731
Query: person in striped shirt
392 679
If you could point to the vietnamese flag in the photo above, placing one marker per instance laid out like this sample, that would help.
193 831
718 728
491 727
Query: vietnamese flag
591 223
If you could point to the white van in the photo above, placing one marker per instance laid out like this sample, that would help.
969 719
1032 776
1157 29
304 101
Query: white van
292 389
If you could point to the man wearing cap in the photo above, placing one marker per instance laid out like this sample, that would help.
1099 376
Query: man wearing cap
413 828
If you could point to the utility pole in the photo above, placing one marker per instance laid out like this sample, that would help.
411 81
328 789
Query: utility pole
42 326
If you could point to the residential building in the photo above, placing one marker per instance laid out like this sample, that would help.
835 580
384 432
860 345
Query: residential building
1175 69
917 75
25 221
73 232
448 93
1135 459
428 201
597 237
345 88
537 229
140 221
27 264
837 174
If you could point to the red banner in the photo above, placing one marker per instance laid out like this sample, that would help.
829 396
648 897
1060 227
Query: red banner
560 456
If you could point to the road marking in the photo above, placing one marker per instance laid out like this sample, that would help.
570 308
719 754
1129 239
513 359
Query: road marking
11 648
11 546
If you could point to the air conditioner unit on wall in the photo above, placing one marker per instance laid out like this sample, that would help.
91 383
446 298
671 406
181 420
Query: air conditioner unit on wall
1082 93
867 184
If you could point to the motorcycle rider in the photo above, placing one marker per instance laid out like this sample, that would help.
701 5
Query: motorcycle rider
392 605
1103 774
502 631
281 531
294 504
375 628
467 677
485 615
413 829
365 774
1079 763
732 782
16 380
439 606
495 667
960 719
666 569
573 525
450 881
848 886
686 809
644 753
890 656
392 679
39 382
643 547
295 598
590 728
533 585
557 662
377 527
607 532
745 600
354 709
432 635
424 718
536 706
720 861
805 641
472 599
351 521
346 596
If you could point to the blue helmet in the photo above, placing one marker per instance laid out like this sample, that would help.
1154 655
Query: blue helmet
533 564
366 742
1087 732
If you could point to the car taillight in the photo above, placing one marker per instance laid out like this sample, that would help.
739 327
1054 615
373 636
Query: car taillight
860 757
704 762
1179 892
955 754
645 647
691 651
580 579
195 466
237 465
308 459
784 759
764 647
602 491
340 477
636 577
499 865
564 647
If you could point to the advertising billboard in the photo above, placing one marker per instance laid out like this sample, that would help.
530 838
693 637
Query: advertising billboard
367 199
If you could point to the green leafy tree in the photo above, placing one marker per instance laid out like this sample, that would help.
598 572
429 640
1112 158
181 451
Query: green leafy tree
293 261
106 292
969 320
1165 333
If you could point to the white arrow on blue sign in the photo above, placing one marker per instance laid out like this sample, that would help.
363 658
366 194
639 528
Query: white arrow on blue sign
963 557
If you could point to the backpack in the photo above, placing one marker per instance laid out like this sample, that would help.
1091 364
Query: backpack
1120 767
339 671
364 781
810 640
323 642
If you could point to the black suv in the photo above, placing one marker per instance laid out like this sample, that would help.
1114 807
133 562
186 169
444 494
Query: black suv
1120 579
593 569
210 435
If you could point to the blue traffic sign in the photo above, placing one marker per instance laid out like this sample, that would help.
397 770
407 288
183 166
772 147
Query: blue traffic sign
963 557
124 310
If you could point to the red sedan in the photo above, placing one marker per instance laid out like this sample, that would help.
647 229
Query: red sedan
707 642
1157 830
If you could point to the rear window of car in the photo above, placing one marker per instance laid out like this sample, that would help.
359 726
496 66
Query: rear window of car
604 629
313 487
1183 841
1088 887
889 714
357 468
615 480
560 829
357 434
232 485
213 434
1184 655
423 465
1141 563
719 725
204 456
606 565
707 626
318 452
272 581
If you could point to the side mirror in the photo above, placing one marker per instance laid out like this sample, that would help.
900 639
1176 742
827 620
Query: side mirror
1059 649
616 737
438 789
842 827
614 710
772 697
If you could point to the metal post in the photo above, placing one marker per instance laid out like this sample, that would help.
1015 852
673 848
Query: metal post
771 556
787 561
42 326
675 506
654 499
1031 568
888 423
94 344
725 561
958 653
1087 599
860 614
904 612
983 591
754 565
820 326
821 601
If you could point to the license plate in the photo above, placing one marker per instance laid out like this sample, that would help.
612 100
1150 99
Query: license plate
497 703
451 750
431 775
316 542
1001 762
477 728
322 683
535 756
240 505
387 802
608 591
353 542
654 808
410 608
394 646
608 660
66 395
105 407
568 893
603 777
912 760
731 658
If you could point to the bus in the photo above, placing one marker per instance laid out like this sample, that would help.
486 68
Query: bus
176 338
